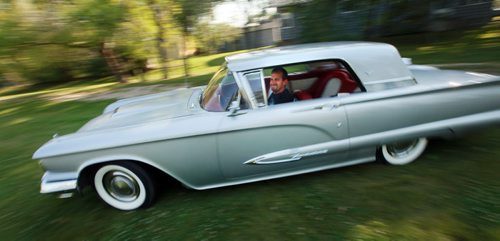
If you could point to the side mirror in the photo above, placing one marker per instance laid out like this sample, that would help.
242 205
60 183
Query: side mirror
234 108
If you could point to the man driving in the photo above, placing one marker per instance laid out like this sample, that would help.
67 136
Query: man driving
279 80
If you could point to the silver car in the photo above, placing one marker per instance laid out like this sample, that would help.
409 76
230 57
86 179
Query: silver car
355 102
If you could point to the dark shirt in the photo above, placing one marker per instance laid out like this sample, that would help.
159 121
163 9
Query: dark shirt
280 98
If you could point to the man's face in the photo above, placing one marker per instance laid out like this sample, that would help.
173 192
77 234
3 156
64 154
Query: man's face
277 83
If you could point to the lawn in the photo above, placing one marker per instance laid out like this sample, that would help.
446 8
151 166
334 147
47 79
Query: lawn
480 45
451 193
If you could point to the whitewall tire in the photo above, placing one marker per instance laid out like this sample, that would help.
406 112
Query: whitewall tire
401 153
124 185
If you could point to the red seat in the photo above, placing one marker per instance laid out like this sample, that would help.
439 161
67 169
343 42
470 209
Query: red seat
302 95
347 84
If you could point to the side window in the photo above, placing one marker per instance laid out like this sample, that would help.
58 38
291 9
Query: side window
229 91
254 80
220 91
317 79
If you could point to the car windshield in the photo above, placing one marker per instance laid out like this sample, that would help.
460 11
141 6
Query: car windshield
220 91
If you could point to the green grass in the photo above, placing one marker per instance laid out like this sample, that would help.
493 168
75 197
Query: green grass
451 193
470 46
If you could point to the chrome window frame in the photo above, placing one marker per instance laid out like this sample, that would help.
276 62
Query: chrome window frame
243 82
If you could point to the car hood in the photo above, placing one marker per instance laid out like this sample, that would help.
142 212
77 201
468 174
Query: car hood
132 121
144 109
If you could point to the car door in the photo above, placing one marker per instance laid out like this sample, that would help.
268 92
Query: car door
281 139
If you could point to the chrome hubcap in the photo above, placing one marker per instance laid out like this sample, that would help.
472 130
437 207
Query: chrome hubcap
121 186
401 149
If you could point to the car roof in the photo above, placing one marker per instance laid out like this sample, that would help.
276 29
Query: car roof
372 62
291 54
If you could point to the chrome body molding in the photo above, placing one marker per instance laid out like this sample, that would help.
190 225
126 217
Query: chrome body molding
49 185
279 157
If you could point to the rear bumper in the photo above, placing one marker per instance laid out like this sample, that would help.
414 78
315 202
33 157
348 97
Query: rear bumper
50 184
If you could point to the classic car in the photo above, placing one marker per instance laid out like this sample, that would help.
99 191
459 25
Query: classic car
355 102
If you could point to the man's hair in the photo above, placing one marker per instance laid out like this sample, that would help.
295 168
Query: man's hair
281 70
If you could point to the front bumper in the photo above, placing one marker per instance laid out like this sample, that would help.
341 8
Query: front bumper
57 182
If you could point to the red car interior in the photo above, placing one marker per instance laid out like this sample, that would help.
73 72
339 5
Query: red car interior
347 83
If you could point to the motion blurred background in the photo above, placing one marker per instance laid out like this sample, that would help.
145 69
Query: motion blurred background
51 41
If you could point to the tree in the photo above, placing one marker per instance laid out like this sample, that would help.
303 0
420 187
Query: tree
159 12
212 37
186 14
57 41
101 19
49 41
315 18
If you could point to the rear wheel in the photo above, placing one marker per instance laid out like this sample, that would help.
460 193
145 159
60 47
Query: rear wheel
401 153
124 185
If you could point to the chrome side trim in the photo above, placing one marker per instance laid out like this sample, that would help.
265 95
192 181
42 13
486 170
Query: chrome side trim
295 154
262 160
58 186
400 79
276 157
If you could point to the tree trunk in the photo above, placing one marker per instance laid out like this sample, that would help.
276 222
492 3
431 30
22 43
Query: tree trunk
160 40
113 62
184 55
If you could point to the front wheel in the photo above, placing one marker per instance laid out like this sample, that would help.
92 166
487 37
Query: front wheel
401 153
124 185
